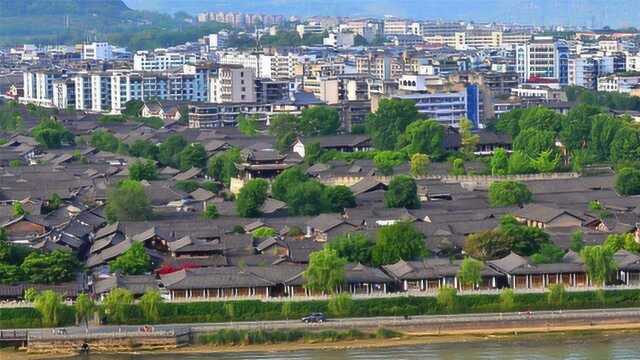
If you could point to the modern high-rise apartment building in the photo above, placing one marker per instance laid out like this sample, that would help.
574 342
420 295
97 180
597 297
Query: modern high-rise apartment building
234 84
543 58
161 60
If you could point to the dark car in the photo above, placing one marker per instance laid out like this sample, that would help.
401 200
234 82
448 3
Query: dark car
314 318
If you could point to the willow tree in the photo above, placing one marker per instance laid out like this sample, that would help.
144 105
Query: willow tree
49 304
599 262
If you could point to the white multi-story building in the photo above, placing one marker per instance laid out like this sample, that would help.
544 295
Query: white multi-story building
233 84
64 93
101 92
339 39
543 58
312 27
217 41
38 86
618 83
97 51
394 26
585 70
161 60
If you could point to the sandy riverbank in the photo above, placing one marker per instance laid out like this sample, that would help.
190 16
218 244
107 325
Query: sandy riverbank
413 338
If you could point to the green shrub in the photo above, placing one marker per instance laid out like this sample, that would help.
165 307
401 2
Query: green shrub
383 333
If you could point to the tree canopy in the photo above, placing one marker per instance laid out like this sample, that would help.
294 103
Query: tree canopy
128 202
390 121
139 171
319 120
425 137
251 197
628 181
508 193
134 261
354 247
400 241
52 134
325 272
402 193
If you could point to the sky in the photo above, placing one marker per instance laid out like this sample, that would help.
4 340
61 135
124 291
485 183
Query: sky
615 13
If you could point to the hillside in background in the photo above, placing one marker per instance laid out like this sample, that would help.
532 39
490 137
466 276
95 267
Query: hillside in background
26 8
73 21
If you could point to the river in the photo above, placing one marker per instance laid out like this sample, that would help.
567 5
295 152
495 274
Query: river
600 346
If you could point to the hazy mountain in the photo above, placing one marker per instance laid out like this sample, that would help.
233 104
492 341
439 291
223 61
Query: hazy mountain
13 8
617 13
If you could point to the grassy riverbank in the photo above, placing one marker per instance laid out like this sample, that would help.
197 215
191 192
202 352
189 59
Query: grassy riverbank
255 310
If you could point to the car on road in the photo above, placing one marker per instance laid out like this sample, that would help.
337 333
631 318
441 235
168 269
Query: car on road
314 318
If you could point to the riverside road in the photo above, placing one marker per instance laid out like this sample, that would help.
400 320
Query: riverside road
427 323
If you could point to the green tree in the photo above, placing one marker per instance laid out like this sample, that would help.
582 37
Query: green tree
599 262
193 155
519 163
546 162
525 240
532 142
557 296
104 141
468 140
10 274
507 300
325 272
390 121
313 153
15 163
263 233
419 164
211 212
457 167
340 305
144 149
143 171
603 131
251 197
402 193
576 127
169 151
116 305
339 198
49 304
548 254
319 120
615 242
30 295
52 134
54 202
287 309
447 299
628 181
286 181
85 308
354 247
508 193
385 161
128 202
248 125
134 261
425 137
307 199
18 209
187 186
133 108
150 304
487 245
223 167
499 163
400 241
470 272
577 241
285 128
626 144
50 268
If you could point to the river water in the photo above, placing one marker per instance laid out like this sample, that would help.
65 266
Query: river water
601 346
